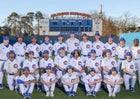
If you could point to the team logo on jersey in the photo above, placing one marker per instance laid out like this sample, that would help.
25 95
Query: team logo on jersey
50 48
65 62
96 64
131 66
97 46
72 80
138 51
79 63
33 66
37 49
76 44
125 51
15 65
112 62
87 46
49 64
113 48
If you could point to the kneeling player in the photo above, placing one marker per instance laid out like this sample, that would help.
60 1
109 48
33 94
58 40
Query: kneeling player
113 82
70 82
26 83
92 82
49 80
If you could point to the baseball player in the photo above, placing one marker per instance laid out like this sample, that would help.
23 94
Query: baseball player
61 61
113 82
12 67
49 80
46 61
94 62
111 45
129 70
78 64
98 46
20 49
108 62
70 82
92 82
5 47
136 55
59 44
47 45
26 83
120 52
33 67
34 47
85 47
72 43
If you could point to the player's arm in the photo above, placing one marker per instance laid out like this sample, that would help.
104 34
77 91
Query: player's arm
126 71
105 68
76 80
98 80
75 69
108 82
64 82
60 68
54 81
120 81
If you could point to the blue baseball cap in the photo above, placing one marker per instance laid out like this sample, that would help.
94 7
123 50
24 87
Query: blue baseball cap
91 69
108 51
97 33
26 68
69 67
122 39
110 36
61 48
113 69
93 51
84 34
75 51
32 37
19 35
47 36
5 38
72 32
128 54
45 52
11 52
60 35
31 52
136 39
48 67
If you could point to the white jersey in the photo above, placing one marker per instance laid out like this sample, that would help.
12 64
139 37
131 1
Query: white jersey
89 78
72 44
4 51
57 46
109 63
32 65
94 63
43 63
85 47
19 49
24 78
129 66
99 48
11 66
35 48
48 78
121 51
63 62
69 78
112 47
46 46
112 78
135 52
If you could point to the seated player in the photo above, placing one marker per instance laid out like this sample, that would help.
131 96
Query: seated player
49 80
26 83
92 82
70 81
113 82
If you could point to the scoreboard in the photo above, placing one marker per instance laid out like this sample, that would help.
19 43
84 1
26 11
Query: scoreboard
64 25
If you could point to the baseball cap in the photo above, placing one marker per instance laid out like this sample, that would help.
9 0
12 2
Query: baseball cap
26 68
122 39
84 34
93 51
48 67
33 37
97 33
46 36
108 51
45 52
19 35
61 48
72 32
110 36
31 52
128 54
136 39
113 69
69 67
5 38
75 51
60 35
91 69
11 52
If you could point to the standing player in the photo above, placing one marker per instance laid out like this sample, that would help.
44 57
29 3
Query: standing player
33 67
46 61
61 61
5 47
129 70
92 82
85 46
98 46
34 47
26 83
12 67
59 44
136 55
20 48
111 45
113 82
47 45
72 43
120 52
49 80
70 82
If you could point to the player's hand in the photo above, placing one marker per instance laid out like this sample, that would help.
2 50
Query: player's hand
16 74
82 71
133 74
27 82
113 84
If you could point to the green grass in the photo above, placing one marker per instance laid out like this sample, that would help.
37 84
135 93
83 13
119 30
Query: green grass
59 94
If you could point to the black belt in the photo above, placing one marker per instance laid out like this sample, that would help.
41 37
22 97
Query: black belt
2 60
10 74
121 59
137 59
127 74
35 57
20 55
84 55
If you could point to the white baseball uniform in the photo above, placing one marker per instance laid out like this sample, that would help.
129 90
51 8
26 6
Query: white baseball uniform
11 68
112 47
